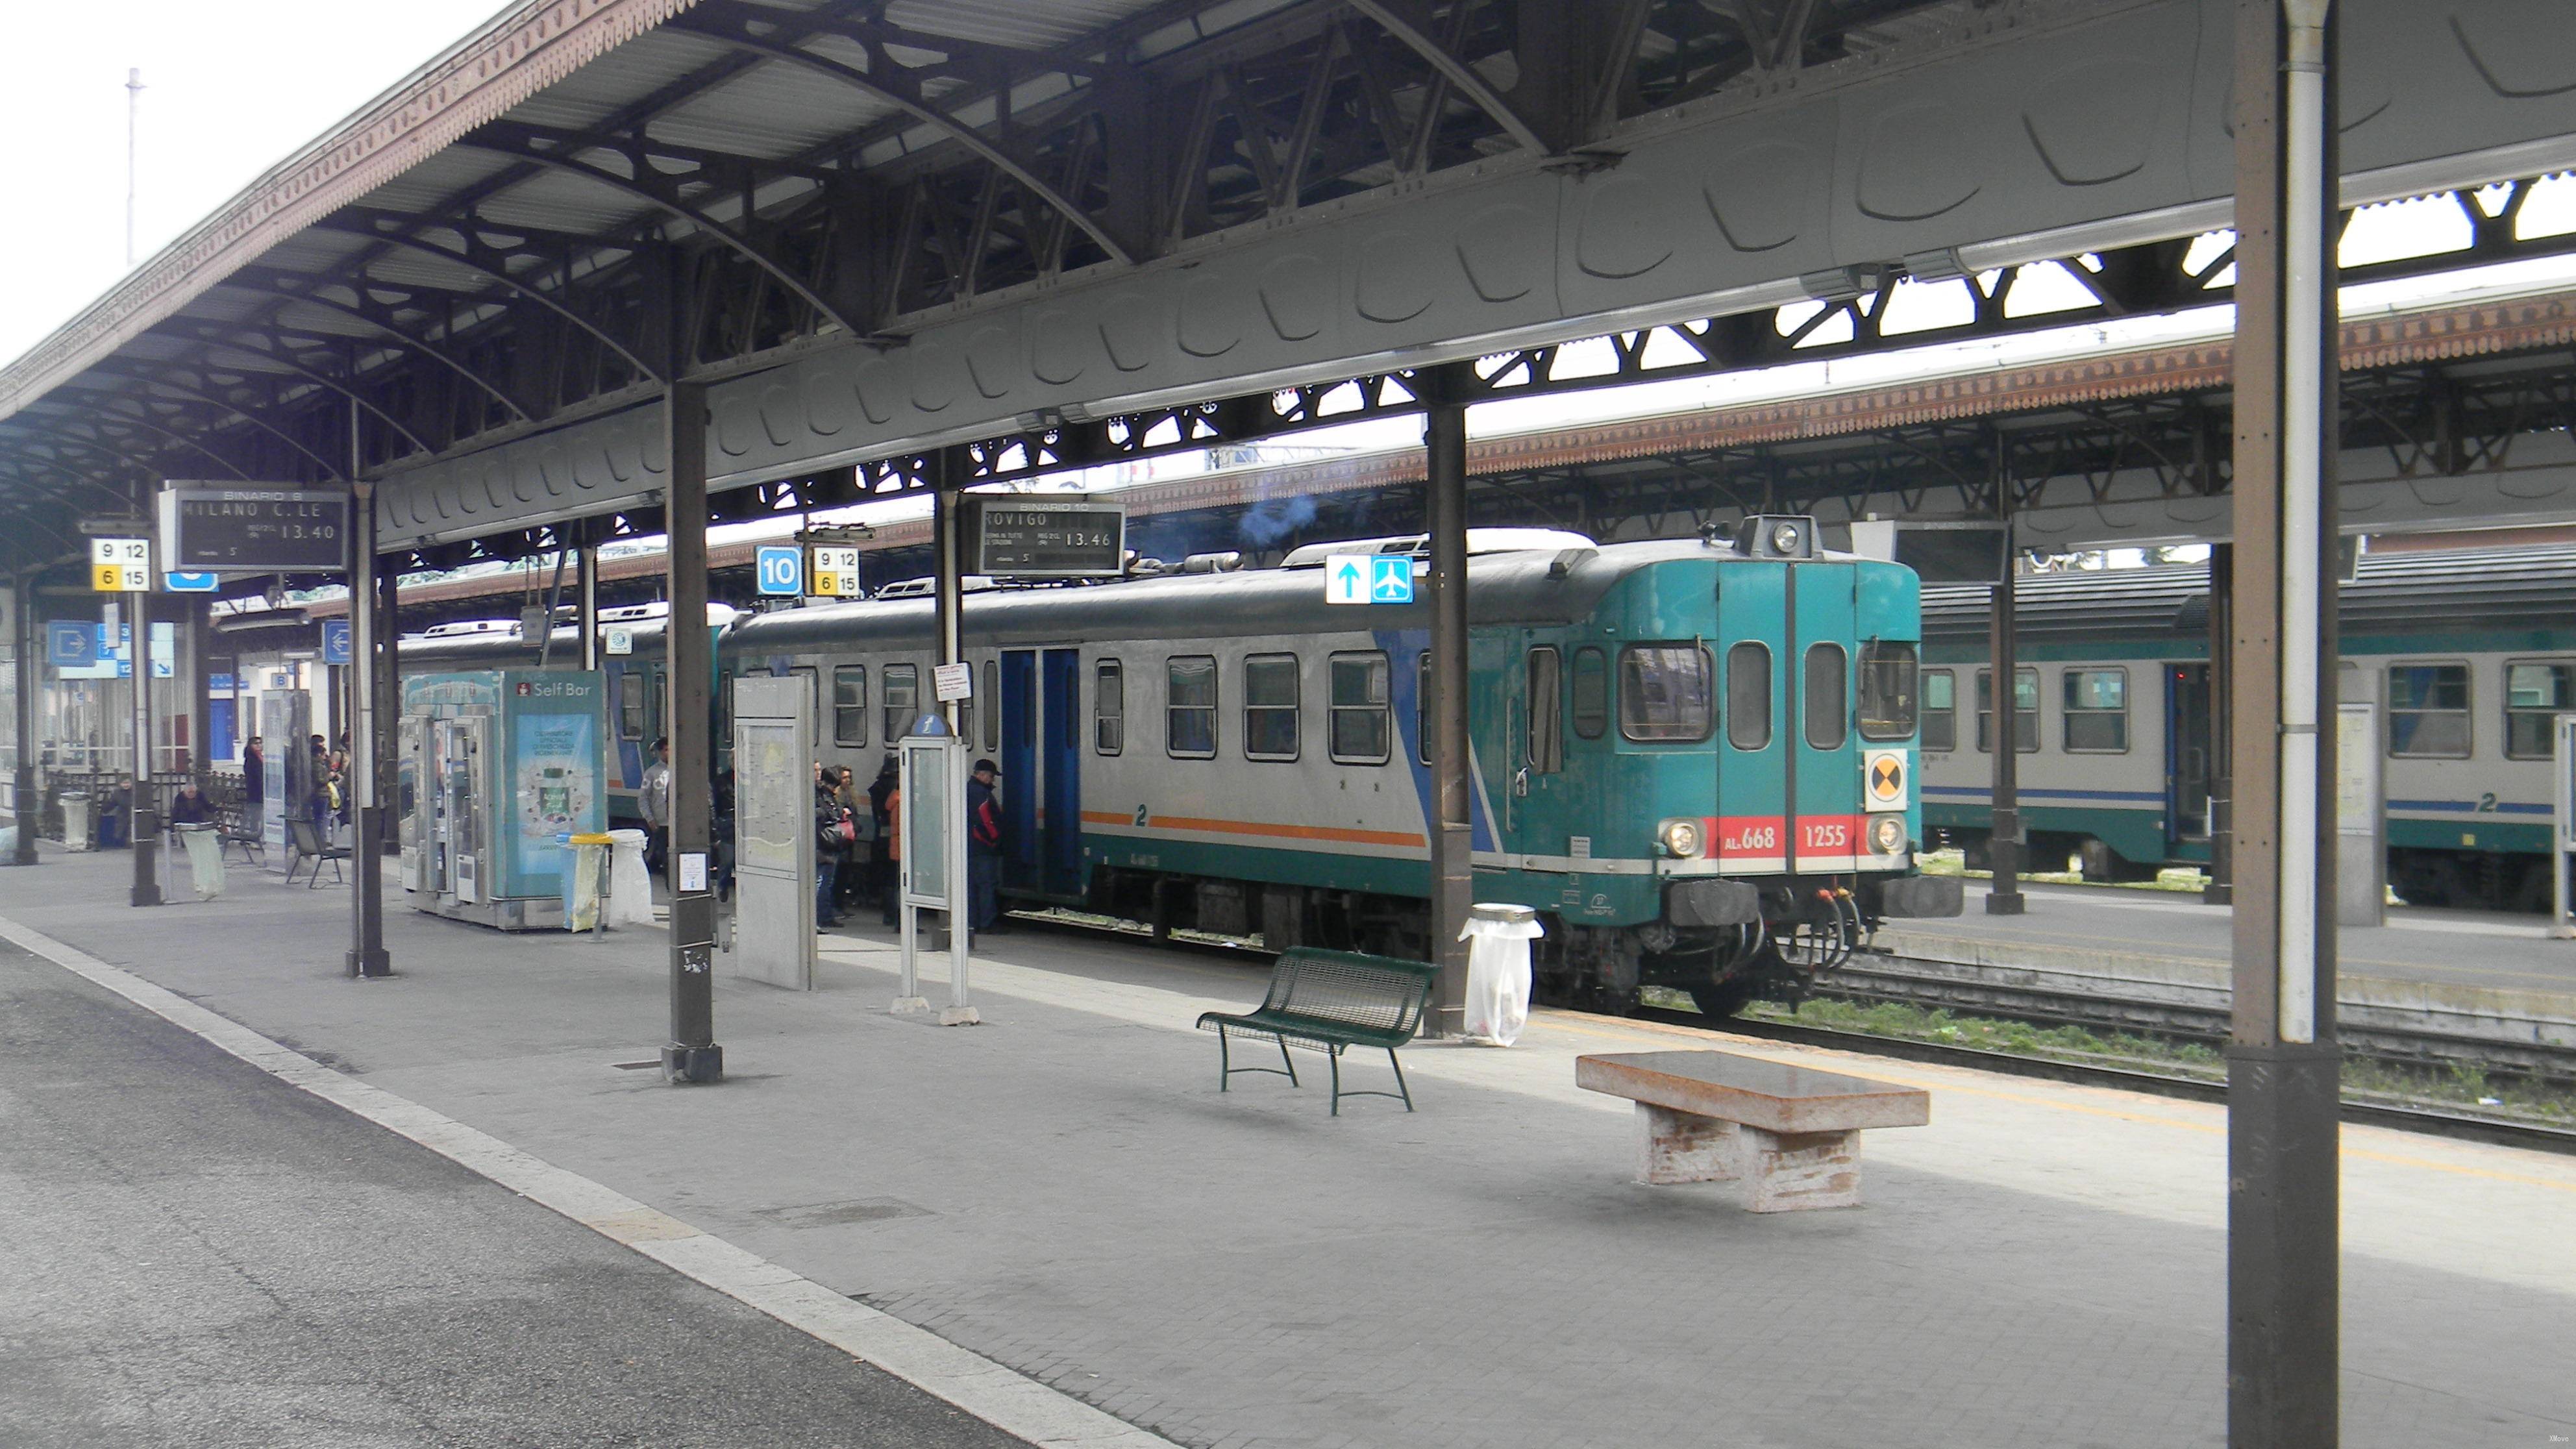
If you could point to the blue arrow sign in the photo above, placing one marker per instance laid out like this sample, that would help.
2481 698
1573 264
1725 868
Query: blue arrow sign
71 643
782 571
335 641
191 583
1391 580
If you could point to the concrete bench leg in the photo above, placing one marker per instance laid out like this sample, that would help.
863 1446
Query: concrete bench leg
1685 1147
1791 1172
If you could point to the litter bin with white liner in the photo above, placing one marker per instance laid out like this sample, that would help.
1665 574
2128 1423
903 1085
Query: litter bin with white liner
586 882
1498 972
76 820
630 885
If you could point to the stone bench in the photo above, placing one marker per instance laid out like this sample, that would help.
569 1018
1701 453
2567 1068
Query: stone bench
1793 1133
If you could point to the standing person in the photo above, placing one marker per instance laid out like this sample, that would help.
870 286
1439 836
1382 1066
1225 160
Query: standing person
881 861
852 884
654 797
983 849
832 831
254 777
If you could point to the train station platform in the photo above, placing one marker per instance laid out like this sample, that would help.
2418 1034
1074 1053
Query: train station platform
1064 1191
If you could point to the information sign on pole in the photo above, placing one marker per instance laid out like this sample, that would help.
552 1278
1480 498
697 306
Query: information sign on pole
781 569
952 681
832 573
1033 536
192 582
209 528
335 641
618 640
120 565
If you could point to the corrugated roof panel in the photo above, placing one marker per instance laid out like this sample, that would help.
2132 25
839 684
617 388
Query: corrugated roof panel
780 109
1026 24
435 179
562 201
619 78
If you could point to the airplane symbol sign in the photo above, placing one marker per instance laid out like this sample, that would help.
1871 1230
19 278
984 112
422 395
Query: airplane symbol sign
1359 578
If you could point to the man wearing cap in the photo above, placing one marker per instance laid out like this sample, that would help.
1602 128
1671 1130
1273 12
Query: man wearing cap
654 799
983 849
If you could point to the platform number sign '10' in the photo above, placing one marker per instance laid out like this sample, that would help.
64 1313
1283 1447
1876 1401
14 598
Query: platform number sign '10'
120 565
782 571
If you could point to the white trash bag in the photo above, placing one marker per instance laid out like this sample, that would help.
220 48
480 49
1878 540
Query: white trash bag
205 859
630 885
1498 972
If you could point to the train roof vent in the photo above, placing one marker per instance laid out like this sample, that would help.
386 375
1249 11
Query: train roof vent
1479 541
925 586
630 613
469 627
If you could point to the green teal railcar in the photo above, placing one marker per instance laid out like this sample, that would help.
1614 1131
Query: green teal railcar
2465 656
1695 758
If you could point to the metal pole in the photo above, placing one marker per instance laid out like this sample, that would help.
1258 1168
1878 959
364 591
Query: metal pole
2222 807
950 588
388 700
692 1054
587 559
133 111
367 957
2283 1289
2003 698
31 806
144 821
1453 862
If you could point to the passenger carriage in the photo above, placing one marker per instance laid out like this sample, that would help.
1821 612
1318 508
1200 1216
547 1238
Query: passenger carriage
1696 757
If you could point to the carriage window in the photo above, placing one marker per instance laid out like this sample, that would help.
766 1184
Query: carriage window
1358 703
1591 692
1748 696
1666 692
2532 694
1270 707
1546 714
902 695
1109 707
1828 719
992 704
1940 710
630 705
2097 711
1887 685
850 704
2025 711
2428 711
1189 706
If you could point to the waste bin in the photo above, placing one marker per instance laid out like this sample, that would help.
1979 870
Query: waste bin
630 885
587 882
76 820
205 858
1498 972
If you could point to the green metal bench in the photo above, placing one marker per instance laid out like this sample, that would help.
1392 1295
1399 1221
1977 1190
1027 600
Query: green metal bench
1326 1001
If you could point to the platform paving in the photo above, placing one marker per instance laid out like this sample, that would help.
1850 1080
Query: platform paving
1065 1191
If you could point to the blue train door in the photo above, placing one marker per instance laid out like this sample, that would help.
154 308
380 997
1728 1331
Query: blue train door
1041 760
2187 745
1060 826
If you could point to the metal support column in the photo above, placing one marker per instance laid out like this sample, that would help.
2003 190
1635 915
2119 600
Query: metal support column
692 1054
145 821
586 561
947 585
2282 1079
1453 865
2003 701
388 704
2222 652
30 798
366 956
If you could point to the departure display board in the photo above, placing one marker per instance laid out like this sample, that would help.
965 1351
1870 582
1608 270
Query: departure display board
209 528
1039 537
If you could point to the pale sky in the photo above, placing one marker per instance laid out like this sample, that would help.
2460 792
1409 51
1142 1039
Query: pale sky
231 87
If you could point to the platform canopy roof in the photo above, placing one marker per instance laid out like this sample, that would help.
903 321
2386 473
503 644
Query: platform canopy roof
880 228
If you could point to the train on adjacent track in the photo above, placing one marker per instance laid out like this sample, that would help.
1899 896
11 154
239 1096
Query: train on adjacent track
1695 758
2465 656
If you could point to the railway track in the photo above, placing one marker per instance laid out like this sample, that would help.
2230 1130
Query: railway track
2035 1006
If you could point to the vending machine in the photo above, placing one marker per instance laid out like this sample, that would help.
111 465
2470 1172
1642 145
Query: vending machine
495 767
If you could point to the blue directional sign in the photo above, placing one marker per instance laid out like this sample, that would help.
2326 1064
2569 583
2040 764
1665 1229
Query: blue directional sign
1391 579
71 643
191 583
335 641
782 570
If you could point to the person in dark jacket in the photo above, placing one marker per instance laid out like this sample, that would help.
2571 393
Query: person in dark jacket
254 777
983 849
189 806
830 846
881 857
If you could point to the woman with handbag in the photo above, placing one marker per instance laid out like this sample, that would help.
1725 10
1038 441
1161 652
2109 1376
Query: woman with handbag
833 834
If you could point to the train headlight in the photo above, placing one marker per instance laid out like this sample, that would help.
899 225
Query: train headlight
1886 834
1680 838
